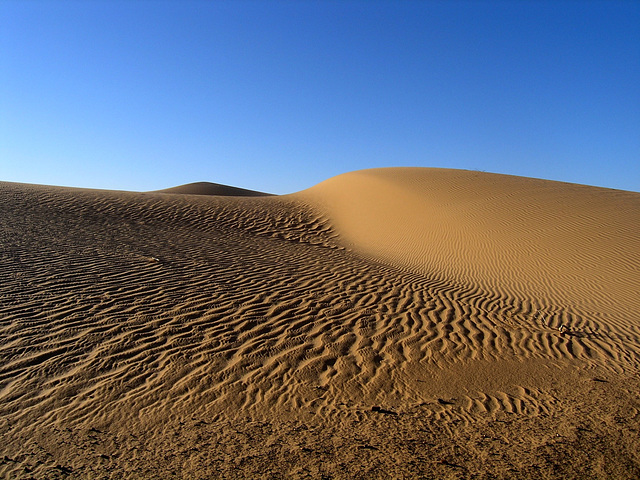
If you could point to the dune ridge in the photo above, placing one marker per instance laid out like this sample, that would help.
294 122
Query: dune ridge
375 325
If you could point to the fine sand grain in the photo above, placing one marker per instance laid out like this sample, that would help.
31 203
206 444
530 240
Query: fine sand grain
388 323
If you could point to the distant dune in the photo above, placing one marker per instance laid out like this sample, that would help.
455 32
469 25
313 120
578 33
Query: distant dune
386 323
208 188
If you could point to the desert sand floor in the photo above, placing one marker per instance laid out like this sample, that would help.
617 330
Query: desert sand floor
389 323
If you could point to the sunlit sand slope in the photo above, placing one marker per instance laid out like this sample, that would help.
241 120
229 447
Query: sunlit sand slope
374 326
556 245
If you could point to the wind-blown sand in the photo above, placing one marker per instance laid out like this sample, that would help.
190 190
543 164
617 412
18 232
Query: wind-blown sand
388 323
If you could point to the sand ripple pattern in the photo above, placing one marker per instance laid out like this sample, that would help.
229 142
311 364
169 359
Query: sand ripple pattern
127 311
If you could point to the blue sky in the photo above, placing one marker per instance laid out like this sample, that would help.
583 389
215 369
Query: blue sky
278 96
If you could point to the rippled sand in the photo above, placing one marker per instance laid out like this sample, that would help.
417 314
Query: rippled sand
390 323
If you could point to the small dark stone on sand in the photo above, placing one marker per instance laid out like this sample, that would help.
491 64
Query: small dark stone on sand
382 410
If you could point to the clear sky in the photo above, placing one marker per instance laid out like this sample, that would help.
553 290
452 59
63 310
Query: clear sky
280 95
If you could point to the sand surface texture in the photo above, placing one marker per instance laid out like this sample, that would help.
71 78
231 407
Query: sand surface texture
388 323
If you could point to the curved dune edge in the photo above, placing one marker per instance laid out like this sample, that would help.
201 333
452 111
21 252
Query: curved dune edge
553 243
145 335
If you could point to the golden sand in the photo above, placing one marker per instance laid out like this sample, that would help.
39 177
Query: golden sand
388 323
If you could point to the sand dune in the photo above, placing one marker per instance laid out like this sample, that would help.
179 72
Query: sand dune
391 323
208 188
531 238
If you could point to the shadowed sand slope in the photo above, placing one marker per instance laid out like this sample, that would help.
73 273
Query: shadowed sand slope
208 188
385 323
